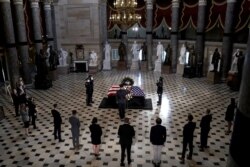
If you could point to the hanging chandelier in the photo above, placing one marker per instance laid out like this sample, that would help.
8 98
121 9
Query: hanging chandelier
125 12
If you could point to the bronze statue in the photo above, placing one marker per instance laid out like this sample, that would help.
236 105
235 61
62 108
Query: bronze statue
122 51
168 51
215 59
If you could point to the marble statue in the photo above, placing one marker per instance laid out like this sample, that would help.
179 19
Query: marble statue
107 50
135 51
182 57
93 59
63 57
234 68
159 51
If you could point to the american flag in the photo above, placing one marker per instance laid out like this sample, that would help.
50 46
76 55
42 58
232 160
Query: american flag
136 91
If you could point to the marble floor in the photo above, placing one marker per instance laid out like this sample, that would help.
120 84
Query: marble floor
181 97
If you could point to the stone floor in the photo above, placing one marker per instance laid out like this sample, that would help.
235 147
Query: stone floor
181 96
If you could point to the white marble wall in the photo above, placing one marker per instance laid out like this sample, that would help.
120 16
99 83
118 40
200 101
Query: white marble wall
77 23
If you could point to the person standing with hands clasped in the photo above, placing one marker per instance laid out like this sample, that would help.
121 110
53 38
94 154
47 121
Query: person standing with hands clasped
159 85
158 134
205 128
121 101
188 135
89 85
75 129
229 117
57 123
96 133
126 133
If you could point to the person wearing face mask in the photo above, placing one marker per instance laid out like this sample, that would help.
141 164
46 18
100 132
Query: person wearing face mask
89 84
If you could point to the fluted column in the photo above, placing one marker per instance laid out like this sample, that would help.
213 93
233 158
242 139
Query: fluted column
48 22
174 33
200 42
22 44
103 25
12 60
125 41
240 142
227 45
36 24
149 29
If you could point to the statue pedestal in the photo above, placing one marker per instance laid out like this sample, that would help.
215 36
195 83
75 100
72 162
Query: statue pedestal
144 66
166 69
53 75
233 81
121 65
213 77
180 69
106 65
189 72
157 66
93 69
135 65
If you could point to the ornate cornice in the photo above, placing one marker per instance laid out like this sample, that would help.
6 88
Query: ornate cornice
18 2
202 2
2 1
231 1
175 3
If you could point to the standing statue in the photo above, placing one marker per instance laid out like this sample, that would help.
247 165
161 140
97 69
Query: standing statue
191 57
234 68
122 51
93 59
144 51
63 57
215 60
168 51
159 51
183 51
107 50
135 50
53 58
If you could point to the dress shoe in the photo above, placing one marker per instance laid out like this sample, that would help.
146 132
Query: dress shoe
89 105
189 158
206 146
122 164
92 102
182 160
61 140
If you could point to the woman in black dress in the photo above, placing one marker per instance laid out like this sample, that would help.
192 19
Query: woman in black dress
229 117
96 133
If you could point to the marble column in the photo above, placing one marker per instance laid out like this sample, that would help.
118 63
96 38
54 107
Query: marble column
22 45
53 18
149 29
200 42
48 22
36 24
12 60
227 45
240 141
174 33
103 25
125 41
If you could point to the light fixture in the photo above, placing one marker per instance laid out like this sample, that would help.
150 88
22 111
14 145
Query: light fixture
125 12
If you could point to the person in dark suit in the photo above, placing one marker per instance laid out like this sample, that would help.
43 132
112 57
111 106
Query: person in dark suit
96 133
126 132
32 111
89 91
75 129
121 101
57 123
229 117
159 85
91 88
188 135
158 134
205 128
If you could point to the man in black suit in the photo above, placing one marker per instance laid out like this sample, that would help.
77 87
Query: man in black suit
205 128
158 134
121 101
188 135
126 132
159 85
57 123
89 91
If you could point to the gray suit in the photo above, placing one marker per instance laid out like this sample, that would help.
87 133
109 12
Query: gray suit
75 129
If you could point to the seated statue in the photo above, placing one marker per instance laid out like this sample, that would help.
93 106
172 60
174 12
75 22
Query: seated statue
93 59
